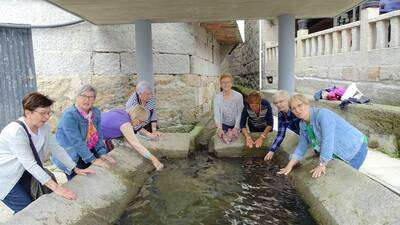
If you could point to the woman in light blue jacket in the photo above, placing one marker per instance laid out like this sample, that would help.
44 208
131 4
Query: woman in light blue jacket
328 134
79 133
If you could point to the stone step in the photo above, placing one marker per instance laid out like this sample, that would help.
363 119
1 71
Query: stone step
169 145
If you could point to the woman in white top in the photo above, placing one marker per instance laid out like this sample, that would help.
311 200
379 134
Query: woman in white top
228 106
17 161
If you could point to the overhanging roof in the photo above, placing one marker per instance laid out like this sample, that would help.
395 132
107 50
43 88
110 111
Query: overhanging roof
225 32
128 11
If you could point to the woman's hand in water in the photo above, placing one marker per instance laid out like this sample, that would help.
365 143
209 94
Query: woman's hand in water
269 156
288 168
285 171
259 142
220 133
249 142
156 163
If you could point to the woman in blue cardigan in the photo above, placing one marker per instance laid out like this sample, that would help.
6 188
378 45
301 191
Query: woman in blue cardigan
79 133
328 134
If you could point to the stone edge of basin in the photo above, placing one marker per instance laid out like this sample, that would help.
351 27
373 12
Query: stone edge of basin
342 196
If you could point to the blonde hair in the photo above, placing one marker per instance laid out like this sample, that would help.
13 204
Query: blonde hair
280 94
299 97
138 112
223 76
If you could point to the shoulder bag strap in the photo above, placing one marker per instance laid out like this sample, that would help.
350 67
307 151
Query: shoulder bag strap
38 161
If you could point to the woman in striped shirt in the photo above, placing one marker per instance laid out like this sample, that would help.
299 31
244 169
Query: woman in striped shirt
144 96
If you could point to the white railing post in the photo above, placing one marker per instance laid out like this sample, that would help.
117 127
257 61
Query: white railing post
336 42
328 44
346 40
355 39
300 46
314 47
308 47
321 45
394 31
382 34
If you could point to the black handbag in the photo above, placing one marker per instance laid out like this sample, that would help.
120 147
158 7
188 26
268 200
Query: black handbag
37 189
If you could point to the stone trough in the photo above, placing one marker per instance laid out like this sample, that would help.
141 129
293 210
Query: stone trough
342 196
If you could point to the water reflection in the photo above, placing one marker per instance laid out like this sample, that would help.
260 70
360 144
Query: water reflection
211 191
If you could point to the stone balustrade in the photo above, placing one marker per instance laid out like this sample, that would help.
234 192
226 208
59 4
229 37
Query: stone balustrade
339 39
385 31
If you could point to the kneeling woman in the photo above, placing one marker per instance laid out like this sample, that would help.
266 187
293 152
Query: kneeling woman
327 133
257 114
18 161
117 123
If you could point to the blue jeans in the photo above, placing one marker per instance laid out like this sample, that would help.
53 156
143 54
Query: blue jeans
20 195
226 127
359 158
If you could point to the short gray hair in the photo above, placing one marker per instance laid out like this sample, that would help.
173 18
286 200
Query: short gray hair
86 87
143 86
281 94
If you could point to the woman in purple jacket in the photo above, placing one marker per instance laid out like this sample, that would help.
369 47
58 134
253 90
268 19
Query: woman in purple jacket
118 123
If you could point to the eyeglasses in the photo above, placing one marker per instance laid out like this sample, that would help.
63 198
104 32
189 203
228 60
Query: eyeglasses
278 102
43 114
88 97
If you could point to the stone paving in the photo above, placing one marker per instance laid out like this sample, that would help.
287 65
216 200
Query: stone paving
382 168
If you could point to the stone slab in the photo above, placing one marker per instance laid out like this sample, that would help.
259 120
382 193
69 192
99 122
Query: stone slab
102 197
170 145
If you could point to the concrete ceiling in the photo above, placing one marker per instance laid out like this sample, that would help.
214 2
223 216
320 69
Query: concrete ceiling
128 11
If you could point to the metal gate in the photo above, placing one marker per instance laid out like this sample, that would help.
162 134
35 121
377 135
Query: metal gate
17 71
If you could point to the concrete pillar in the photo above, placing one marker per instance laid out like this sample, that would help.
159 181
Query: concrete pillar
286 54
144 51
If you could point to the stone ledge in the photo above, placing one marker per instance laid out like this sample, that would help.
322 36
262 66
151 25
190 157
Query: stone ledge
170 145
102 197
344 195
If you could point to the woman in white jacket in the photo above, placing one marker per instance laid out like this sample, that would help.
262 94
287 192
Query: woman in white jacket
17 161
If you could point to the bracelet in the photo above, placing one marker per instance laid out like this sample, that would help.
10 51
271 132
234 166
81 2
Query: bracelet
147 155
262 135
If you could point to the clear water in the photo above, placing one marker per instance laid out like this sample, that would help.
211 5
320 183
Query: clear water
209 191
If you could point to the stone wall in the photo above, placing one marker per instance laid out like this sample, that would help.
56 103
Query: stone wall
186 62
242 61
